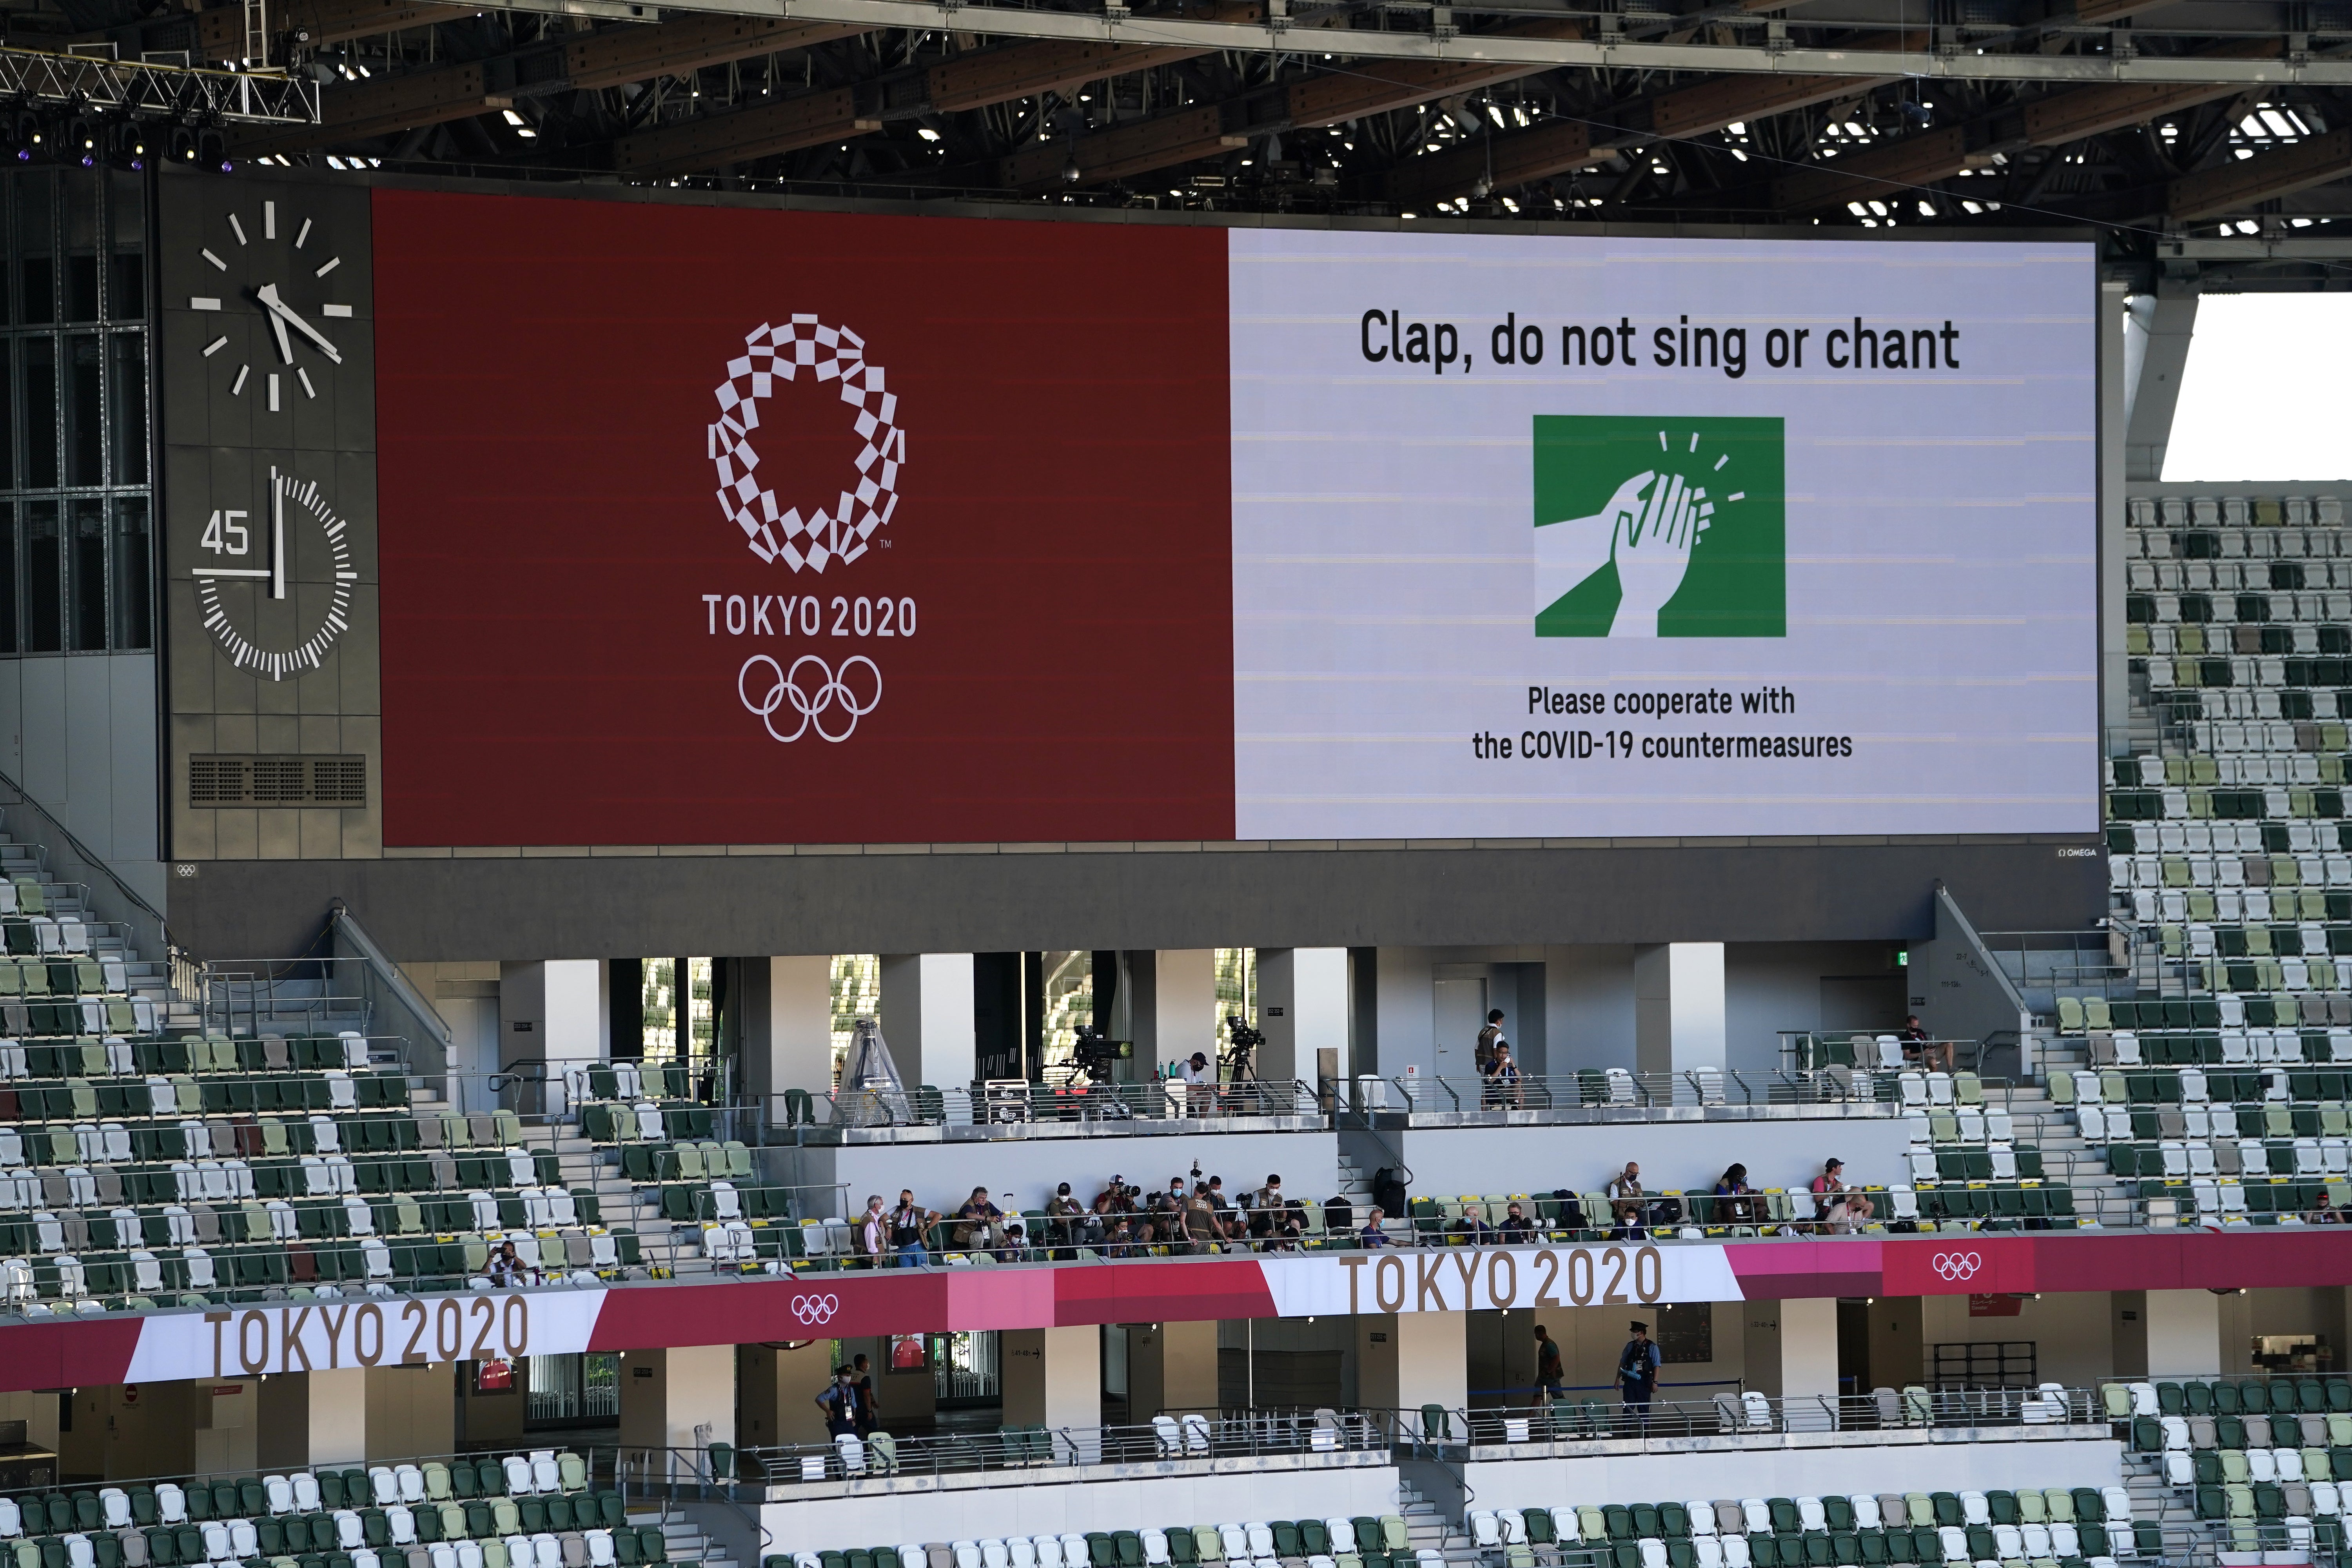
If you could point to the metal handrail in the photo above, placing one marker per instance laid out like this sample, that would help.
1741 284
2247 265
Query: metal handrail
161 948
1201 1433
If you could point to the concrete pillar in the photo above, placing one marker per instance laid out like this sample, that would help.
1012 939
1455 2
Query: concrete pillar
1792 1353
1170 1366
787 1028
1678 1007
1052 1378
553 1011
681 1398
778 1390
926 1017
309 1419
1172 1004
2184 1333
1407 1359
2156 352
1302 1009
2114 402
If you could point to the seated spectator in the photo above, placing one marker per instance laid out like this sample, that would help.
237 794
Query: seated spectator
1931 1053
1738 1206
1471 1229
1121 1241
1502 1091
1071 1225
976 1220
1228 1216
1855 1216
1373 1234
1264 1205
1516 1228
507 1266
1828 1191
1283 1226
1015 1248
910 1225
1625 1205
1118 1198
1200 1085
2324 1213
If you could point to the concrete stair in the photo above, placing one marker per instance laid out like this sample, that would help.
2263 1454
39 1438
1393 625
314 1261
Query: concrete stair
682 1539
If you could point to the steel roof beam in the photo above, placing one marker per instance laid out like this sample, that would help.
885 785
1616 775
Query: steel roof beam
1508 47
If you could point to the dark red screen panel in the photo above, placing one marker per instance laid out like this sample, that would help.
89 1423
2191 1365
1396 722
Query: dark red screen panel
547 378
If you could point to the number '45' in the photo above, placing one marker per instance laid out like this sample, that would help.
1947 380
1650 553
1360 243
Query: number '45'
225 533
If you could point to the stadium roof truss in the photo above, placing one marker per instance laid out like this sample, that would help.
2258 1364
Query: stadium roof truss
2171 120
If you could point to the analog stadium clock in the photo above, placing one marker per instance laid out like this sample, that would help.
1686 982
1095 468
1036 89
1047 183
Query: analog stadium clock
278 266
274 577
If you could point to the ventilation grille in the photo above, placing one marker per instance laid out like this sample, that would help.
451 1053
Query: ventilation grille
214 781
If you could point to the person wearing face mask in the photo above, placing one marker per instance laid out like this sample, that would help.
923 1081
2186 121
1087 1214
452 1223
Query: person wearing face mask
1070 1225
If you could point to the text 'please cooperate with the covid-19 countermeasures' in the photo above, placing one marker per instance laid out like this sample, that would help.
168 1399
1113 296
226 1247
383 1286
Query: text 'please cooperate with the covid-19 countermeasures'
1578 744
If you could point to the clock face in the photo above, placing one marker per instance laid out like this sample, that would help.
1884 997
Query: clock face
274 578
280 267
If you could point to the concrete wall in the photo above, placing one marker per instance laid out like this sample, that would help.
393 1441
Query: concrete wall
616 906
411 1410
915 1508
78 732
1674 1155
2072 1334
1806 1466
1771 987
943 1174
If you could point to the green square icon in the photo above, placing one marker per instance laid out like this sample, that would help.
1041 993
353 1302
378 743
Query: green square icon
1656 526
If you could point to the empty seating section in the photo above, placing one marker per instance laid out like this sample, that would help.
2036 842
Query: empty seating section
2267 1462
1361 1541
524 1510
2260 1130
2061 1525
2224 1096
2229 842
144 1172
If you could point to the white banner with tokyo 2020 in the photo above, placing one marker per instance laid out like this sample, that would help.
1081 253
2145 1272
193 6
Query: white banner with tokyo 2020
1481 1278
362 1331
1549 535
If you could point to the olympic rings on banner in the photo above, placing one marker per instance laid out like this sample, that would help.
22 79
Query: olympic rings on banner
814 1309
1957 1265
813 691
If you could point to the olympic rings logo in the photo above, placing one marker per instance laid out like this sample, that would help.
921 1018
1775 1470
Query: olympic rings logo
1957 1265
814 1309
813 691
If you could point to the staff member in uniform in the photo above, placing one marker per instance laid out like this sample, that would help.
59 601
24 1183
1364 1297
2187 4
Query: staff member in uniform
1637 1370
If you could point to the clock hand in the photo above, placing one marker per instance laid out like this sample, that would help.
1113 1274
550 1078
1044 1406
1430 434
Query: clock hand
267 294
285 348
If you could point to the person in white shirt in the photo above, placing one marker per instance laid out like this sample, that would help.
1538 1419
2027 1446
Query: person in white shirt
1198 1082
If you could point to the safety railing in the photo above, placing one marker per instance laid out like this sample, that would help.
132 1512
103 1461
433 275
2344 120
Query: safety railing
104 892
1602 1090
1004 1106
1749 1414
1202 1435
